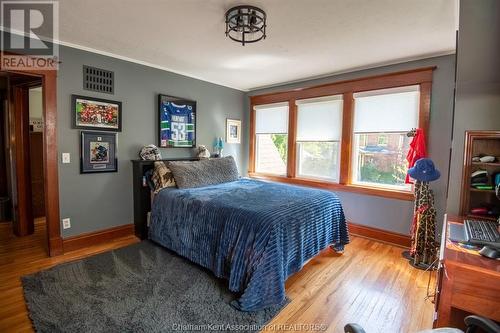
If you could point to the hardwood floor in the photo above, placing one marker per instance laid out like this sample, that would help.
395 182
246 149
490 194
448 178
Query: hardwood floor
369 284
27 255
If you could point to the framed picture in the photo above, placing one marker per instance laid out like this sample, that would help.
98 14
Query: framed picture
233 131
98 152
176 122
96 114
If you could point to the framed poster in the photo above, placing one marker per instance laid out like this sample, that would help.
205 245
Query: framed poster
176 122
98 152
233 131
96 113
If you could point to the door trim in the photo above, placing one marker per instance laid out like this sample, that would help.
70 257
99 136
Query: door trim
23 224
50 153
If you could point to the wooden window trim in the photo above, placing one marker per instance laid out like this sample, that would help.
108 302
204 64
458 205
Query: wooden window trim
292 139
380 192
419 76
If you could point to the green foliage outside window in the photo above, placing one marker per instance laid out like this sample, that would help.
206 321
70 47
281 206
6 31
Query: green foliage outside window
281 143
370 173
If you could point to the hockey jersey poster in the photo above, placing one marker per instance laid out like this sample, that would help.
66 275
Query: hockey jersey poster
177 122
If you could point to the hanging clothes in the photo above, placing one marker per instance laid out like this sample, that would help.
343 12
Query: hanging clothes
417 150
423 245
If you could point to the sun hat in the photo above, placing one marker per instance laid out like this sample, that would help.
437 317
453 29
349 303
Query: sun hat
424 170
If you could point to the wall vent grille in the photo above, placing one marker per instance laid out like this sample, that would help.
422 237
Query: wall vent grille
97 79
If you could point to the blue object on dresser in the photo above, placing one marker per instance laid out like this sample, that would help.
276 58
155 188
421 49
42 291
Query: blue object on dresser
253 233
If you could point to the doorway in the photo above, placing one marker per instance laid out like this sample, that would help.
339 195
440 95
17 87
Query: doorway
22 150
30 155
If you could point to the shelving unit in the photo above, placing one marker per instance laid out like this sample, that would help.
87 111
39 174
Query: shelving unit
480 143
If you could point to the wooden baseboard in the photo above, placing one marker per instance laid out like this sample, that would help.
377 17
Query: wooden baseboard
380 235
101 236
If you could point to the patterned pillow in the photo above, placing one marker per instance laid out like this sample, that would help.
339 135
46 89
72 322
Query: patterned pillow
162 177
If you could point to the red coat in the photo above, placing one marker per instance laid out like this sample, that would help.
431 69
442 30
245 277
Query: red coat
417 151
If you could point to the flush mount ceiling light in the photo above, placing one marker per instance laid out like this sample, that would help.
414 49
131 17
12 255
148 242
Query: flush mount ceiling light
246 24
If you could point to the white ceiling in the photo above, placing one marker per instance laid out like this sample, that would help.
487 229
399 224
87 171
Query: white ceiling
306 38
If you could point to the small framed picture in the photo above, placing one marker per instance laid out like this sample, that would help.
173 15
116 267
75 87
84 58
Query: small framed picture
96 113
233 131
176 122
98 152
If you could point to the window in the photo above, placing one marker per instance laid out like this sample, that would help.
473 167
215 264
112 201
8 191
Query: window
343 136
319 128
271 138
380 144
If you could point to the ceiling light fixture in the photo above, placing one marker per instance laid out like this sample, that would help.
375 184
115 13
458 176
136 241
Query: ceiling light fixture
246 24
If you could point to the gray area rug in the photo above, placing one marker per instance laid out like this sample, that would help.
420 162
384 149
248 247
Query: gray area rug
139 288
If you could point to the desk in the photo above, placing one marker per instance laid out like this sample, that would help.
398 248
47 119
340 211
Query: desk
467 284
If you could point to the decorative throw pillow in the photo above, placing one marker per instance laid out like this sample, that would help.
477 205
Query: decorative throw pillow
162 177
204 172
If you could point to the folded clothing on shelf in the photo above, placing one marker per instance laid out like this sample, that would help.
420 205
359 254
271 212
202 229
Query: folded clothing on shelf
486 209
482 186
487 159
480 180
479 211
484 159
479 173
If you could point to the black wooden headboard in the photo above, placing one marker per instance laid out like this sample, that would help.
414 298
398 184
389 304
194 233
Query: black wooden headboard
142 194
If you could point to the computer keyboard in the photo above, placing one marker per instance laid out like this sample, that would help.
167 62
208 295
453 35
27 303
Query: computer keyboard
482 232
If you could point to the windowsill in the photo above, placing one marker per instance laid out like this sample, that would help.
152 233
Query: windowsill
374 191
404 189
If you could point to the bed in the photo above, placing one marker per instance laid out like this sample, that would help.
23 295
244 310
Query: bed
253 233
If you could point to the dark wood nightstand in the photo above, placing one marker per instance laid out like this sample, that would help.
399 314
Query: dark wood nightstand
142 194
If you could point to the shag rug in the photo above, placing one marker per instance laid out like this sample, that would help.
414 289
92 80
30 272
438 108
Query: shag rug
139 288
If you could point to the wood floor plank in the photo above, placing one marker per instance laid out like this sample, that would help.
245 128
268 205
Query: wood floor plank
370 284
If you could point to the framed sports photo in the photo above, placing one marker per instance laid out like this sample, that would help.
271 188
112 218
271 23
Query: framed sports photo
96 113
176 122
233 131
98 152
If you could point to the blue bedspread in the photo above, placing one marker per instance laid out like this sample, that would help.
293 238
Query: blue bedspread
253 233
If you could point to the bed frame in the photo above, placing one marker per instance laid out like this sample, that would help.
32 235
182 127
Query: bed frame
142 194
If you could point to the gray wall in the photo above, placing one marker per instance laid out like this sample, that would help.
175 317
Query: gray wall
477 105
100 201
391 214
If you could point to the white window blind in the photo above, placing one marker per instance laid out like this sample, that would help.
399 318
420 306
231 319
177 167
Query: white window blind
271 118
319 119
386 110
